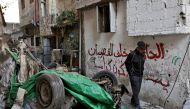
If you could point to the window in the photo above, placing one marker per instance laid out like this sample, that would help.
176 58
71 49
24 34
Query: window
38 41
31 1
106 17
32 41
53 18
1 44
23 4
43 7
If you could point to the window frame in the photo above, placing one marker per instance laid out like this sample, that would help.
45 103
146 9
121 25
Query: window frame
23 4
38 41
112 17
43 8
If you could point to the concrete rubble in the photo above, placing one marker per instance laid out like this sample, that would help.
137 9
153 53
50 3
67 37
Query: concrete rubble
6 71
19 99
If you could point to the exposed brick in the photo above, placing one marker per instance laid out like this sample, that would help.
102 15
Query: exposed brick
161 16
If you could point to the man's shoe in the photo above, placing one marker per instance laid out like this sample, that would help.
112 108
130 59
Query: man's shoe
138 107
133 104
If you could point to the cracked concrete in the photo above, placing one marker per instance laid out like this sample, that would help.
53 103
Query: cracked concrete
126 104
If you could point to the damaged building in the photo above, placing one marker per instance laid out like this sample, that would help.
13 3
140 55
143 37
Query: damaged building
46 25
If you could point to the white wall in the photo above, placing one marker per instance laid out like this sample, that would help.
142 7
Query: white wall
160 70
150 17
26 14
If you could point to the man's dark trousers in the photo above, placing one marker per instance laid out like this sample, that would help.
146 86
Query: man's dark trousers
136 86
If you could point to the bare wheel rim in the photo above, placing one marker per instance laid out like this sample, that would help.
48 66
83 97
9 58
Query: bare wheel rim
109 85
45 93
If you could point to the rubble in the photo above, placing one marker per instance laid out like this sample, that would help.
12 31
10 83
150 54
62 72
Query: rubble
19 99
7 69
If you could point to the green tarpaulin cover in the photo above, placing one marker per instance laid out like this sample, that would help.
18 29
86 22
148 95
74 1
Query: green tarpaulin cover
81 87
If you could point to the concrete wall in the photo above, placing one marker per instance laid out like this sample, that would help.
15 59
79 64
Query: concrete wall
65 5
26 14
108 51
85 3
11 27
157 17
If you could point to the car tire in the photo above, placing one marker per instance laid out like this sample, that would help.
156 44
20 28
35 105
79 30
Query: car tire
50 91
108 74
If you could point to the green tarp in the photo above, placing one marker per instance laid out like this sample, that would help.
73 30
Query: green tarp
81 87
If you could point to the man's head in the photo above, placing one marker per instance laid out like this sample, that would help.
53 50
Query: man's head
141 46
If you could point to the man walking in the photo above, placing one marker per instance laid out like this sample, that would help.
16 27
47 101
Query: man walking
135 67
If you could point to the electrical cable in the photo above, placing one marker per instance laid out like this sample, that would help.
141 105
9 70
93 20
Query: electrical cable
177 73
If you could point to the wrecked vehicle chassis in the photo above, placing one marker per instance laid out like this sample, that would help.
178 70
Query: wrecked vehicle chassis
51 94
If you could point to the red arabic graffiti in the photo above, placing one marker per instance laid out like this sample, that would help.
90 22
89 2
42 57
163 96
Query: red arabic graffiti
159 54
121 52
159 81
115 66
108 51
162 82
107 62
164 88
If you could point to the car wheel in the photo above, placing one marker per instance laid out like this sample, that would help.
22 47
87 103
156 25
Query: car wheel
106 75
50 91
109 85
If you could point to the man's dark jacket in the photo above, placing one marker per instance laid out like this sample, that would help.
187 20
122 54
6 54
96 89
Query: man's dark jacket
135 63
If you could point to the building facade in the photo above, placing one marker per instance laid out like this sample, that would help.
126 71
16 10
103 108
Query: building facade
52 32
110 30
29 22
